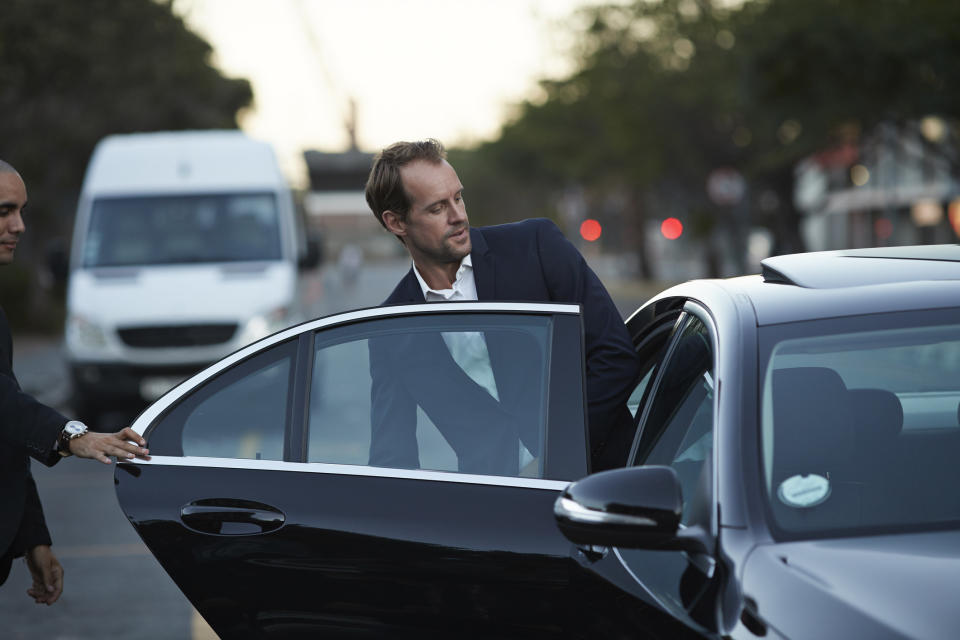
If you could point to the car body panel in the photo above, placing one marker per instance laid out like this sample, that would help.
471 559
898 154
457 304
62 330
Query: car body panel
363 552
892 586
863 267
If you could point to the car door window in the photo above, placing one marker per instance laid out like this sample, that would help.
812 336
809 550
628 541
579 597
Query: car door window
678 428
464 393
651 346
677 431
243 413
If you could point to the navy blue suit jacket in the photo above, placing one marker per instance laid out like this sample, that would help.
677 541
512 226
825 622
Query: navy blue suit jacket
531 261
26 427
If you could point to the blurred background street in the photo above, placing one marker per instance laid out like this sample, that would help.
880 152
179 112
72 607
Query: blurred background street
669 140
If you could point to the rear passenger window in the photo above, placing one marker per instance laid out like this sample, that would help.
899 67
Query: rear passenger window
242 413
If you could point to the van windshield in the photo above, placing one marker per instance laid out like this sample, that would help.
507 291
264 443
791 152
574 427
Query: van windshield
127 231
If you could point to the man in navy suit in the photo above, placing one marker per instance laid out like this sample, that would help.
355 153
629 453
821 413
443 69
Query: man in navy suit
416 195
29 428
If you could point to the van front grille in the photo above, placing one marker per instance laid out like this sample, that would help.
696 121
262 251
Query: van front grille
194 335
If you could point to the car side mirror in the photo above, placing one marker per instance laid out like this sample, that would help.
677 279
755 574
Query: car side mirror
633 508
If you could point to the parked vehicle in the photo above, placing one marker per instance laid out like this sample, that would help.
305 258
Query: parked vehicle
792 474
185 249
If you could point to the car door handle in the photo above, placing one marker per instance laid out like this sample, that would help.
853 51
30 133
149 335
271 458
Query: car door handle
231 517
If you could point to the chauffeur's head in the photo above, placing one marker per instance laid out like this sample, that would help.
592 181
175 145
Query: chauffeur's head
417 196
13 199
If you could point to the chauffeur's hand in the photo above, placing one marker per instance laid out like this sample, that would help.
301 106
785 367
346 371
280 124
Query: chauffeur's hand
47 575
100 446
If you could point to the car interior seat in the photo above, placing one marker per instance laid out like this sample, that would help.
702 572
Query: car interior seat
876 417
812 434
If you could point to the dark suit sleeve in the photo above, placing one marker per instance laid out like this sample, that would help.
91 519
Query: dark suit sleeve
33 526
417 370
393 412
611 361
28 424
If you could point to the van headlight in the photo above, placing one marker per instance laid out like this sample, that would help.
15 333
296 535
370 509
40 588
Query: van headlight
262 325
82 332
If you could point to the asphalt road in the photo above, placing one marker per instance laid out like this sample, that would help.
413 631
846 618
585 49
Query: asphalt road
113 586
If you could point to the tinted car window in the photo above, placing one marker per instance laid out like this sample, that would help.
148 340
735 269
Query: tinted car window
463 393
860 423
651 347
242 413
677 431
678 428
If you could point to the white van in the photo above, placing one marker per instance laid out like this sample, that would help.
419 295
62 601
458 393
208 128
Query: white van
185 248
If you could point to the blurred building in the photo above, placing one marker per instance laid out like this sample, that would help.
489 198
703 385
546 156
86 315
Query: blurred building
335 205
897 186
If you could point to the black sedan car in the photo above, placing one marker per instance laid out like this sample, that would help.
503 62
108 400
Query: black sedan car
793 474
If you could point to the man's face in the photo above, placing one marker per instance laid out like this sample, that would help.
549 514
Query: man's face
13 198
436 230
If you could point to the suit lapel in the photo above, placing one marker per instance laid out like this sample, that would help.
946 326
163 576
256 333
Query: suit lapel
410 290
484 271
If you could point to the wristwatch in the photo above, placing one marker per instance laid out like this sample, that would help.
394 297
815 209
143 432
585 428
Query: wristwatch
71 430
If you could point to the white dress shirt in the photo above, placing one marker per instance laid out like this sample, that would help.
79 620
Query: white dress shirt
468 348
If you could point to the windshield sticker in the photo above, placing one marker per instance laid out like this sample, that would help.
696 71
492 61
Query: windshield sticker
804 491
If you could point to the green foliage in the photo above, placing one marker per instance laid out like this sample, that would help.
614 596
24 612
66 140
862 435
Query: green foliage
74 72
665 92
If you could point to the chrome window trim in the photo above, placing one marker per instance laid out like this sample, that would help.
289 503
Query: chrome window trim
352 470
150 413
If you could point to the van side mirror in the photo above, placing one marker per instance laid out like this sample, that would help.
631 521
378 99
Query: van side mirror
58 260
633 508
313 255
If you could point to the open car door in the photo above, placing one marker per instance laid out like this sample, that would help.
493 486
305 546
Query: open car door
385 472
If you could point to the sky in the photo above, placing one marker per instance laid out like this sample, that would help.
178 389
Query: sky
448 69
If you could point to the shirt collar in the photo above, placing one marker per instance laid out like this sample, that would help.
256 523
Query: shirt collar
465 264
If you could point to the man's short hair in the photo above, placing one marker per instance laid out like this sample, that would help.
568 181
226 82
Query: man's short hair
385 190
6 167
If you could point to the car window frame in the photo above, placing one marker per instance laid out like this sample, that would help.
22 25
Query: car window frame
690 309
565 463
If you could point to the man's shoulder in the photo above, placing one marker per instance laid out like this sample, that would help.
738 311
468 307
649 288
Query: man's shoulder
519 234
530 226
406 290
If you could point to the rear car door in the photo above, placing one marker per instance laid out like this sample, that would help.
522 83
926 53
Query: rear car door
387 472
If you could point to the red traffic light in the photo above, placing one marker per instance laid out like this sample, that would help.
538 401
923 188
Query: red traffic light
590 229
671 228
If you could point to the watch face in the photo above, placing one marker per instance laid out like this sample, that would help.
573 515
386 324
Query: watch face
75 428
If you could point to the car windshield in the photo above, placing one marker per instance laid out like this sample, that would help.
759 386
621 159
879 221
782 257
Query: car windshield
860 426
131 231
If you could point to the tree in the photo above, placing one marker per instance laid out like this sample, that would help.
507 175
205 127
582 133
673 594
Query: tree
821 72
665 92
74 72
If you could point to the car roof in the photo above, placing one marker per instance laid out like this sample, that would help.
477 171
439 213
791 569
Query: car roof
829 284
858 267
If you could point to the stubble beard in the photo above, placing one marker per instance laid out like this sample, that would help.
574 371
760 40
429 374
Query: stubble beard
448 252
